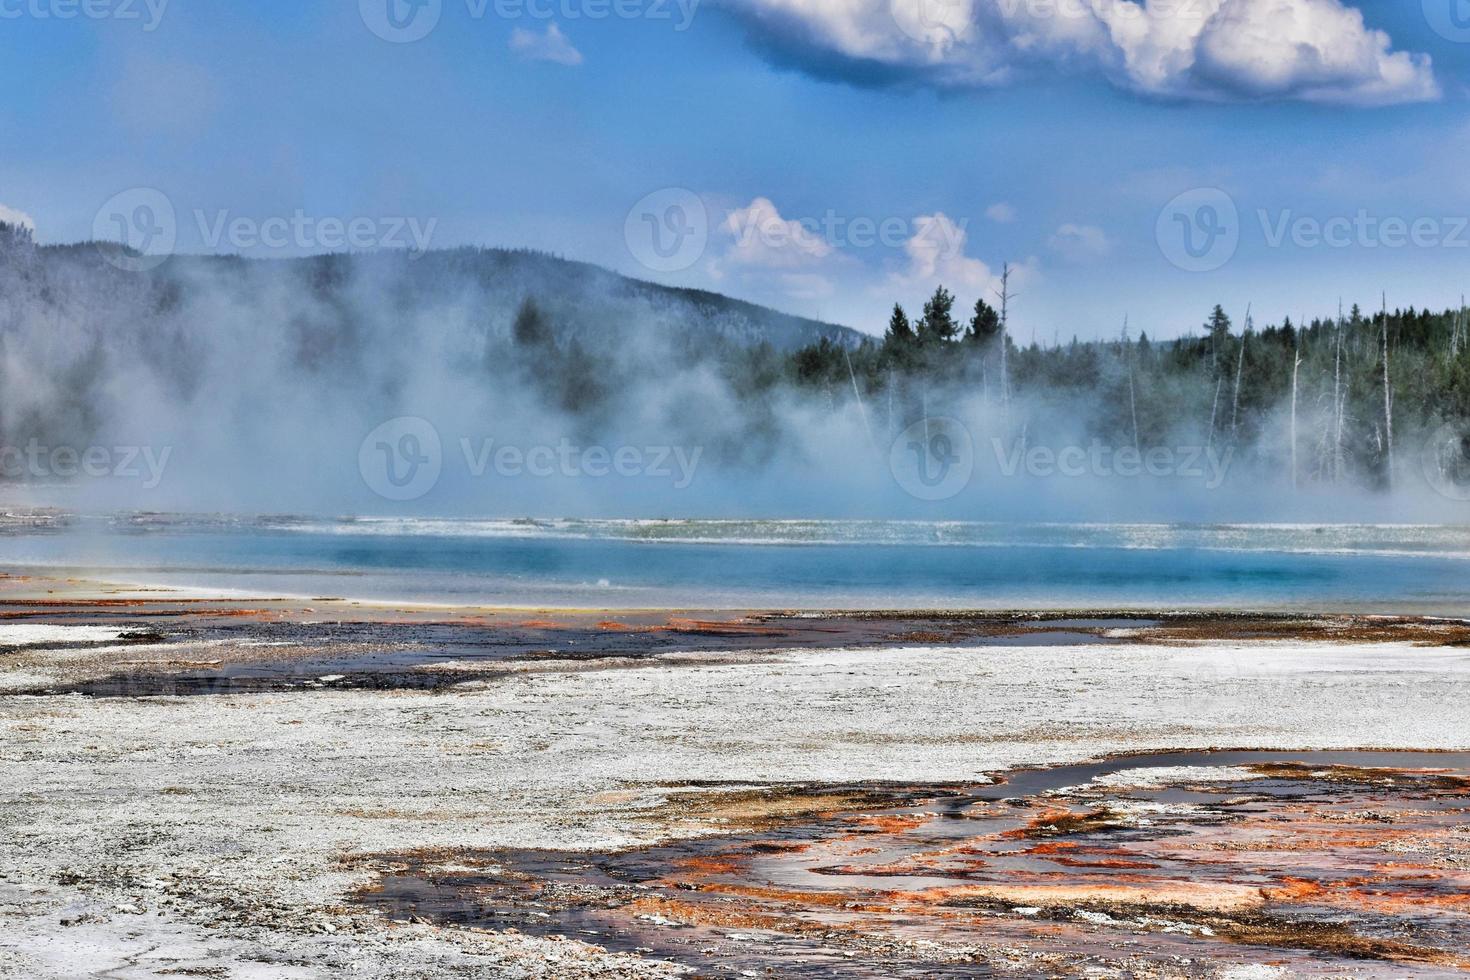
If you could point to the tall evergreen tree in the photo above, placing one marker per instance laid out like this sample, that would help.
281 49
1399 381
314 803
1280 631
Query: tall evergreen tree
984 325
900 333
938 324
1217 327
531 328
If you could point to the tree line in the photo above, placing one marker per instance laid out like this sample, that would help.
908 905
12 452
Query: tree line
1351 396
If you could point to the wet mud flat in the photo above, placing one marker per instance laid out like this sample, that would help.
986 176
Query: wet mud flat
180 646
1187 864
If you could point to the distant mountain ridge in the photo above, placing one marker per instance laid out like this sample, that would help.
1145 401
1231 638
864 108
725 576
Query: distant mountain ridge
92 334
735 320
582 300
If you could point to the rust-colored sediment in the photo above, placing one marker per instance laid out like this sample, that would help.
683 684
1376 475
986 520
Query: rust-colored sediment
360 632
1311 867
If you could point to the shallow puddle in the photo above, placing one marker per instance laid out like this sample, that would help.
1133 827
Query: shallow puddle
222 647
1312 863
257 653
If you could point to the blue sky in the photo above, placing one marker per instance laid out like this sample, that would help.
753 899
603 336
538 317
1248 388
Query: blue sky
972 147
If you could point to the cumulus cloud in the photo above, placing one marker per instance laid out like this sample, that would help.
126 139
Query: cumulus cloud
551 46
776 258
1080 242
763 252
936 253
1317 50
936 256
759 237
11 216
1213 50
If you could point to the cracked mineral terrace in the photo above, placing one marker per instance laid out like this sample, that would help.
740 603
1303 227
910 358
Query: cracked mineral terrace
429 791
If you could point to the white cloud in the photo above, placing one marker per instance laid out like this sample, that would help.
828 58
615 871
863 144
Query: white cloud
758 251
761 238
936 255
1001 213
1218 50
1080 242
11 216
552 46
773 257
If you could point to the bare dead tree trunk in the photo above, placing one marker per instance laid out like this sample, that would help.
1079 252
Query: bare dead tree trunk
1239 372
1132 392
862 409
1214 412
890 404
1005 343
1387 396
1458 327
1295 372
1337 401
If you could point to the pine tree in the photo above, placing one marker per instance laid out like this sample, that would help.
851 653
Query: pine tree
900 333
531 328
938 324
1218 328
984 325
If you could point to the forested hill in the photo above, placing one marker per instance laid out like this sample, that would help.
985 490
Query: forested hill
582 301
94 339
